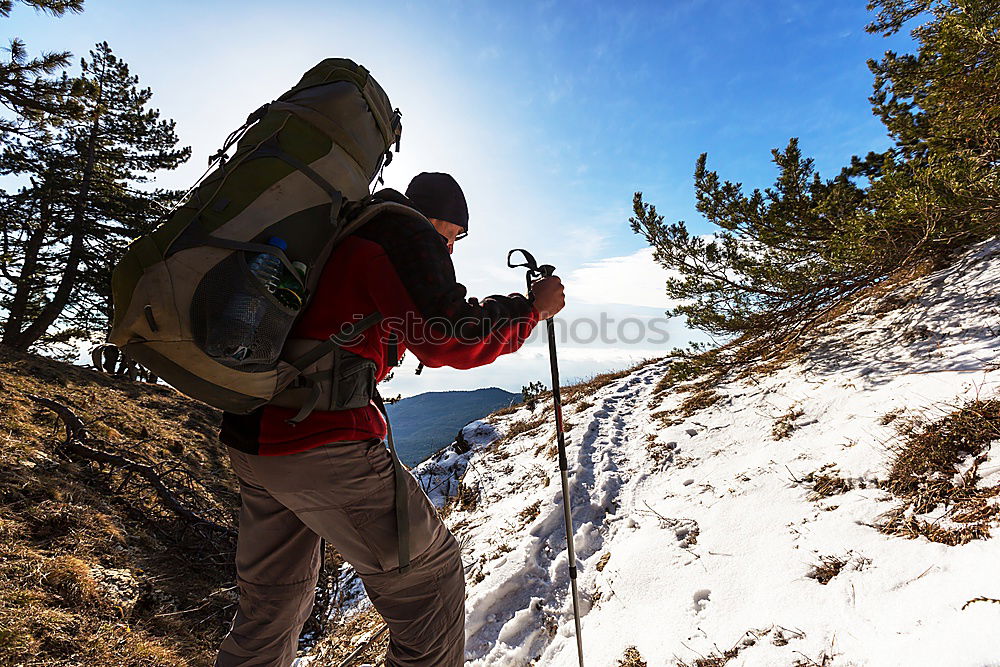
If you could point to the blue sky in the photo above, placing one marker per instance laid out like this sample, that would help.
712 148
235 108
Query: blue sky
550 115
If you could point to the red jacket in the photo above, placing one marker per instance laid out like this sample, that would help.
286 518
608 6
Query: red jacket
401 268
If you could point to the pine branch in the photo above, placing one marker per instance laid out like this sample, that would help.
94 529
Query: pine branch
54 7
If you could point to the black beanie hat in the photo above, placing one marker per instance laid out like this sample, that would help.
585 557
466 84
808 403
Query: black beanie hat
438 196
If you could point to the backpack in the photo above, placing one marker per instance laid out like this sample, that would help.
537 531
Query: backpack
300 174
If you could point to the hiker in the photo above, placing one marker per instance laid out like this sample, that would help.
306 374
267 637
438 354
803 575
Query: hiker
331 477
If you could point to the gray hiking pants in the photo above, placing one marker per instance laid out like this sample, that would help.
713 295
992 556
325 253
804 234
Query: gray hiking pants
343 492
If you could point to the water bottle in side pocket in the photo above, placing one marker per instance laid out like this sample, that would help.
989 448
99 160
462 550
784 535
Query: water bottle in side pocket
233 337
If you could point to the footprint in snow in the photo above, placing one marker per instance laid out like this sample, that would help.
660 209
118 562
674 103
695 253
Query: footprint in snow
701 600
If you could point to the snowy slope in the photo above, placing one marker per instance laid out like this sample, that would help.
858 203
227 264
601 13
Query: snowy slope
708 547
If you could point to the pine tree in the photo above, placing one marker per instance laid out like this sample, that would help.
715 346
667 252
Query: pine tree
785 257
65 231
946 97
942 107
772 258
27 86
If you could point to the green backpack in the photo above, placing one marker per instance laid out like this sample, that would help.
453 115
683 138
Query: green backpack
207 299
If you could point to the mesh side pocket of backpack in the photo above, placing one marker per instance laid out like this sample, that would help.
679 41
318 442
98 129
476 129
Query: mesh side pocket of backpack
235 320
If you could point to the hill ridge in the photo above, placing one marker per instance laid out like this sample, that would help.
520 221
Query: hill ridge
755 527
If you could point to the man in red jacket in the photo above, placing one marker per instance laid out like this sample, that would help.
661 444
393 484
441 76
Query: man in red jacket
330 475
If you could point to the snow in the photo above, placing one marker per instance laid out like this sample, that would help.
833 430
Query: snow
711 546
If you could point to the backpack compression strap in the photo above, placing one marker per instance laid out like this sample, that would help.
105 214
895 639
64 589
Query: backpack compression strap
339 339
402 498
323 123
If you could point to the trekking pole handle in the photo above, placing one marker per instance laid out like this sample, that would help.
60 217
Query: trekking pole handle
531 264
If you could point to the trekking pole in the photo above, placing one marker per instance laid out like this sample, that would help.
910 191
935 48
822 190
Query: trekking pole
535 271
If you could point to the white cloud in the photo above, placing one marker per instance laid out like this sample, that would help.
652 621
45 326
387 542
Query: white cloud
633 279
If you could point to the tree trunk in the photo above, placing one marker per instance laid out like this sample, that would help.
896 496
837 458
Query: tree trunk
54 308
24 284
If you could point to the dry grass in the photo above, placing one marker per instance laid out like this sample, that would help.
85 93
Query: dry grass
92 567
69 579
764 352
696 374
925 475
891 416
666 418
980 599
509 410
502 548
591 386
578 393
660 453
687 367
701 395
603 561
830 566
905 525
785 425
701 398
771 355
825 486
778 636
348 634
530 513
552 448
827 482
715 659
823 660
632 658
465 499
520 426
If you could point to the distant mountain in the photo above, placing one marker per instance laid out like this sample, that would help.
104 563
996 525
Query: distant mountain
425 423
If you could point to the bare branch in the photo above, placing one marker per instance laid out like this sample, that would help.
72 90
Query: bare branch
78 441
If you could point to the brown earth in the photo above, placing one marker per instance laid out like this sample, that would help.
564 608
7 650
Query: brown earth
95 568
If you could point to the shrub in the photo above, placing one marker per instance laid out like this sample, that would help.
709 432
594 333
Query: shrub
925 474
531 392
632 658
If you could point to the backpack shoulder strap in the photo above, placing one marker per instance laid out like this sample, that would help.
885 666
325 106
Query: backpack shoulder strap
369 209
402 502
